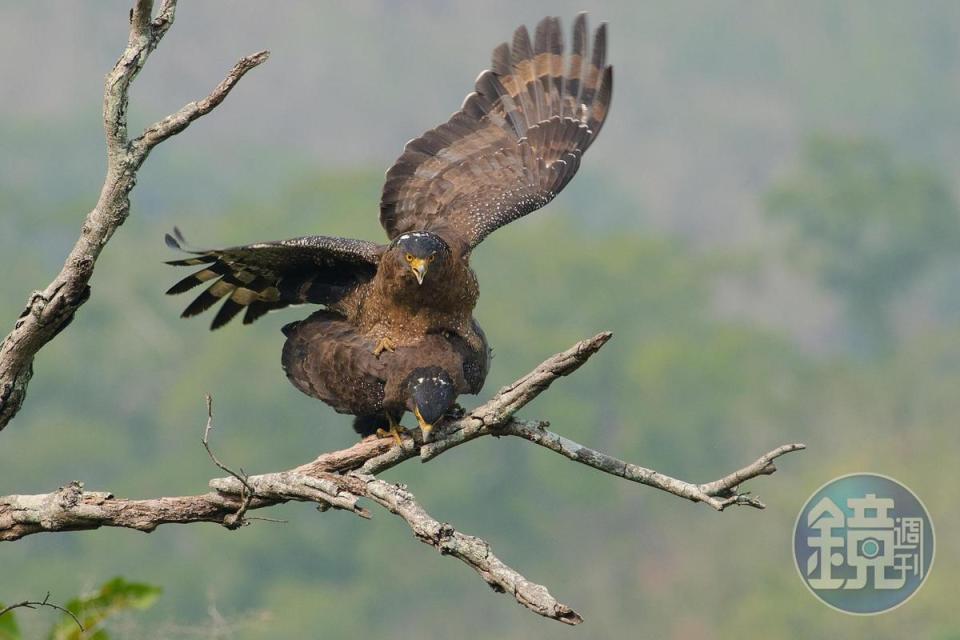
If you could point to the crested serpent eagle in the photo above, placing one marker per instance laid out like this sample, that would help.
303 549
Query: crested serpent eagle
327 358
512 147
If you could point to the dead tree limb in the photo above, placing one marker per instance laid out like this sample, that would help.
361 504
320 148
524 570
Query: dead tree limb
49 311
340 479
473 551
719 494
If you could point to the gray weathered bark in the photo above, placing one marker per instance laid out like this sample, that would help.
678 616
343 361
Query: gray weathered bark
340 479
49 311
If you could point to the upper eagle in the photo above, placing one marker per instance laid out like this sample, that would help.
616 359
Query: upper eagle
512 147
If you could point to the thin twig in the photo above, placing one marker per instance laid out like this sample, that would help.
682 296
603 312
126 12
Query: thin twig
727 489
266 519
181 119
33 604
247 493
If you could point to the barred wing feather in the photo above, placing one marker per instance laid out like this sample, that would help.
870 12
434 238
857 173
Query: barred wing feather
265 276
513 146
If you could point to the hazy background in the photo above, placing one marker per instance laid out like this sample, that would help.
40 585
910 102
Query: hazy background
769 224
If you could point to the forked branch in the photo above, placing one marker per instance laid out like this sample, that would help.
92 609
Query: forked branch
49 311
340 479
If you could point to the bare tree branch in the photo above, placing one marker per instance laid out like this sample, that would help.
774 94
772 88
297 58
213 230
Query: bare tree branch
496 418
71 508
177 122
49 311
473 551
33 604
718 494
498 410
339 479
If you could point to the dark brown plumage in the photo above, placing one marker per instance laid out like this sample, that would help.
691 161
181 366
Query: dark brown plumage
265 276
326 358
513 146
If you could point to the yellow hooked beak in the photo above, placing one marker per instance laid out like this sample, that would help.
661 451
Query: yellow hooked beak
424 427
419 268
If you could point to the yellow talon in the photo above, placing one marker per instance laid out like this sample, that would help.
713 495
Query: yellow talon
384 344
394 431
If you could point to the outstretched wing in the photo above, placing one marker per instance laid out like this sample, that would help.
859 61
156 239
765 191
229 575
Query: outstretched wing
515 143
271 275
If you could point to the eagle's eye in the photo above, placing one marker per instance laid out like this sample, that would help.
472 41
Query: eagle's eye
409 257
432 257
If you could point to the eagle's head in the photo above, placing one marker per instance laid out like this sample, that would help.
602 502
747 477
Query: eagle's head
431 393
420 252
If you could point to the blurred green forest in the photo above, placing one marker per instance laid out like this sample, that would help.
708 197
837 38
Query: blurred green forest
769 225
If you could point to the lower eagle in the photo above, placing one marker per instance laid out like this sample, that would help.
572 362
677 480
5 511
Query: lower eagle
327 358
397 331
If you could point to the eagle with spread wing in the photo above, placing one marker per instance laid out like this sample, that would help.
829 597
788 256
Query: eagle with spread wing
512 147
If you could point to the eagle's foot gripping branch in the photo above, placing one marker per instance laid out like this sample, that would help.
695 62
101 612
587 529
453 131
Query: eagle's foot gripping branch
384 344
395 431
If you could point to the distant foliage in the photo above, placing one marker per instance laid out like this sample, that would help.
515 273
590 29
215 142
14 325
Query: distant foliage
113 597
679 388
9 629
865 223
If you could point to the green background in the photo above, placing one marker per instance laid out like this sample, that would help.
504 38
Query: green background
768 224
